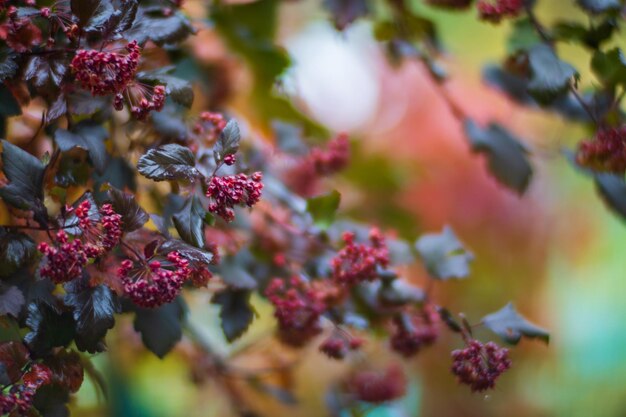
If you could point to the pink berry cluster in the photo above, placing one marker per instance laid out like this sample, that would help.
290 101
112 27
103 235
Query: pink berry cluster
18 400
606 152
147 100
233 190
500 9
156 282
479 365
105 73
334 158
298 308
358 262
65 259
339 344
412 334
209 126
378 386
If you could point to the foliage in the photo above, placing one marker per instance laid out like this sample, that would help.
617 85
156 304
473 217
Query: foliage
143 196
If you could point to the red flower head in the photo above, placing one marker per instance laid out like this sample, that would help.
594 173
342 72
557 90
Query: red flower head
413 332
357 262
494 12
479 365
606 152
233 190
378 386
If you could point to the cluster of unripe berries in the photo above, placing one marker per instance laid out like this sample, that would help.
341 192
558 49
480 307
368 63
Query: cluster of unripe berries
233 190
478 365
606 152
209 126
65 259
18 400
500 9
155 282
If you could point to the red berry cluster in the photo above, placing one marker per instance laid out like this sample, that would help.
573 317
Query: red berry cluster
149 99
334 158
20 34
156 282
65 259
298 307
378 386
18 400
105 73
233 190
337 345
494 12
357 262
414 332
209 125
479 365
605 152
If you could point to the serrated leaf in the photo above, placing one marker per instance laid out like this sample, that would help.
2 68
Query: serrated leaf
161 327
152 24
228 141
236 314
168 162
511 326
102 17
550 76
49 328
189 222
8 64
67 369
11 301
93 309
45 72
610 67
16 250
84 9
444 255
13 355
323 209
89 136
25 175
133 215
507 157
197 257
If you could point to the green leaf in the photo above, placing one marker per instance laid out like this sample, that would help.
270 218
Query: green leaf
592 37
601 6
49 328
93 309
161 327
610 67
523 37
133 215
323 209
16 250
550 76
236 313
511 326
168 162
228 141
89 136
507 157
25 175
444 255
189 222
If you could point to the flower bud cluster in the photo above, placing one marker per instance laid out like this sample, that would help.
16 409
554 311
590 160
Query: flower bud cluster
414 332
378 386
233 190
105 73
339 344
155 282
494 12
479 365
358 262
65 259
297 308
18 400
210 125
606 152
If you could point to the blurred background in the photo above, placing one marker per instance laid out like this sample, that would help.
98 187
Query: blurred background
556 252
